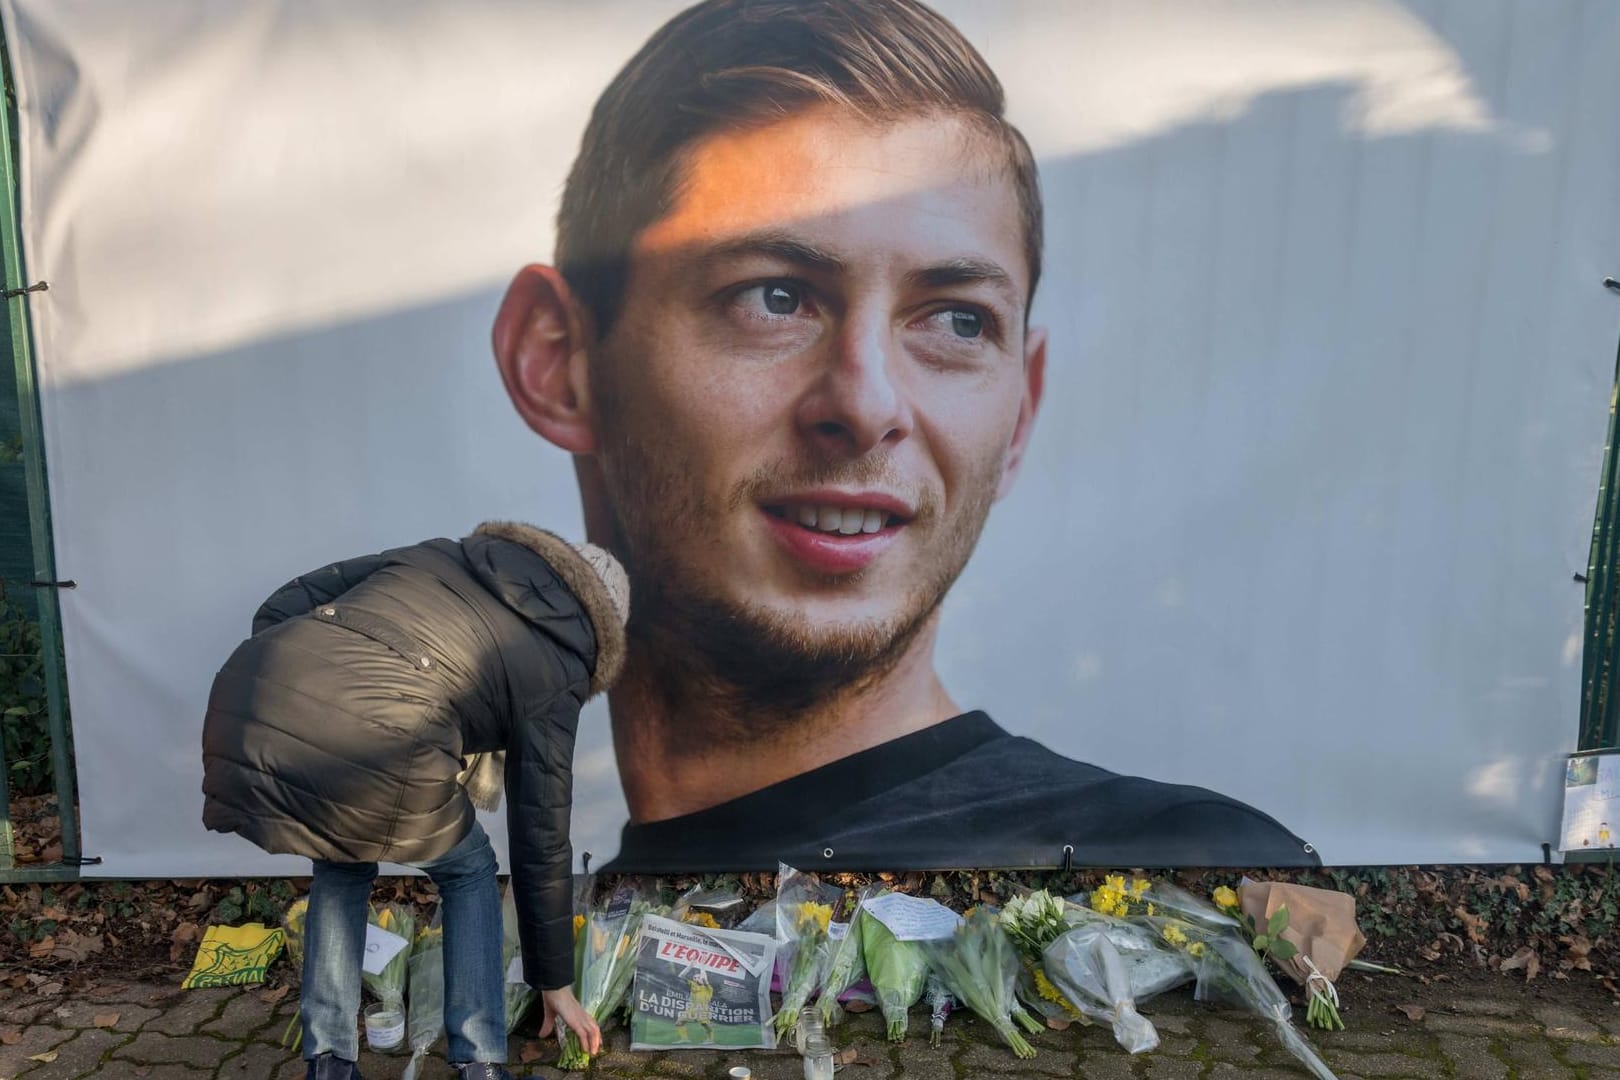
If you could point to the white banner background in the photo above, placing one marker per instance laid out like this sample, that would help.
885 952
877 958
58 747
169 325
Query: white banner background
1329 378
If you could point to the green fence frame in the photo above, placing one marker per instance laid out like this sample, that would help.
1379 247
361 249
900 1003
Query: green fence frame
18 292
1600 705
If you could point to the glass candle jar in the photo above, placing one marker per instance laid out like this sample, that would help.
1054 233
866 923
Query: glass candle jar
818 1058
808 1027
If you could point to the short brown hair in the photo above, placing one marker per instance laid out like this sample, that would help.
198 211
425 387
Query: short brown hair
725 64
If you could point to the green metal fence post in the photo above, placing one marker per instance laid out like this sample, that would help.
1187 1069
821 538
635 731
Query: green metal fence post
1600 705
18 293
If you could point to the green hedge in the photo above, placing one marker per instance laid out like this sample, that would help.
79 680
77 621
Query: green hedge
22 702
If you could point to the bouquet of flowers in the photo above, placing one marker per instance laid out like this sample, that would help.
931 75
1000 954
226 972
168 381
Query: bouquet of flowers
1033 921
847 966
389 984
519 994
804 907
1309 934
898 969
606 961
425 1020
978 965
1228 967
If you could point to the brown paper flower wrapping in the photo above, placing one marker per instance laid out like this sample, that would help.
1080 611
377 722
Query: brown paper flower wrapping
1321 925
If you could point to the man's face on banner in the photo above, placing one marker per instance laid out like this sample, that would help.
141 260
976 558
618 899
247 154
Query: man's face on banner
819 381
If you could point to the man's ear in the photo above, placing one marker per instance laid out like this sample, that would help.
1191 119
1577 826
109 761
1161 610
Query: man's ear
539 341
1034 384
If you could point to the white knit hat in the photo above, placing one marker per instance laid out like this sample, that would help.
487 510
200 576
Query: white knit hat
614 579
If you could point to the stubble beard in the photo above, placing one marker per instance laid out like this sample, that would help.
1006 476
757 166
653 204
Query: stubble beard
744 672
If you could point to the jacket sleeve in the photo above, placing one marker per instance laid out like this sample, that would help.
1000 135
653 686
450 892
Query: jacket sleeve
300 595
539 798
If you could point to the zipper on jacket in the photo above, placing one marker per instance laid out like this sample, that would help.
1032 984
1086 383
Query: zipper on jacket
378 630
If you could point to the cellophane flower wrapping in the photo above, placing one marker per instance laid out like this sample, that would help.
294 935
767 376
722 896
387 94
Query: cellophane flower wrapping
898 970
424 1022
804 908
607 960
978 964
388 985
710 908
1085 965
1233 973
847 966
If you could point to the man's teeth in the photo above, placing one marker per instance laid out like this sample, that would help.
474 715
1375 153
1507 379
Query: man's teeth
846 521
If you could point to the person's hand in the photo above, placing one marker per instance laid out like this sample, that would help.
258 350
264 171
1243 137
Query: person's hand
562 1007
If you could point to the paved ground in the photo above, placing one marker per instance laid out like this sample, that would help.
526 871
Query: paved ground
1491 1032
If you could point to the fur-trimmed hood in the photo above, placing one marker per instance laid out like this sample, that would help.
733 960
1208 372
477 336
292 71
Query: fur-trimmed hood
595 591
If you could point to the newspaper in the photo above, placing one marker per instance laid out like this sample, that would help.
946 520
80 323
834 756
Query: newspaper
701 988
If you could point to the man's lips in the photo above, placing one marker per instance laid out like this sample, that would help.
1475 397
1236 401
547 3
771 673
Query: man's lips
836 532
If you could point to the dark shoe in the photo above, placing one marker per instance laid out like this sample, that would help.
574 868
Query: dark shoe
330 1067
481 1070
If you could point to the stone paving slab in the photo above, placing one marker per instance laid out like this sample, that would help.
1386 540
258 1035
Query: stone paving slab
162 1033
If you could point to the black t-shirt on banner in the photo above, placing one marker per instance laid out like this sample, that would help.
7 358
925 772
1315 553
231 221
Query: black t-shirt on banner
963 793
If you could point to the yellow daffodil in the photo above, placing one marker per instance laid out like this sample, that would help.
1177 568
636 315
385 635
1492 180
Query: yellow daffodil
1226 899
814 915
579 923
700 918
1048 992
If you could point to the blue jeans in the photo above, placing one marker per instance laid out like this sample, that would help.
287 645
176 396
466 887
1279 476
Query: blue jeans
474 982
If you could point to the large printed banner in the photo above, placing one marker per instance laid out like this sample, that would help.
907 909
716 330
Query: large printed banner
1190 464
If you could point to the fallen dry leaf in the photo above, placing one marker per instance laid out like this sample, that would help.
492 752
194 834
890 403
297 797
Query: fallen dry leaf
75 947
530 1053
1413 1012
183 936
1525 958
42 947
10 1037
270 997
852 1056
45 1059
105 1020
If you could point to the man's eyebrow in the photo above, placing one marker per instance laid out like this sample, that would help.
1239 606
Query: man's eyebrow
778 246
965 270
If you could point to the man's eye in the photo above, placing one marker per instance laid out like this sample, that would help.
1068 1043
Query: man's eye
966 324
780 299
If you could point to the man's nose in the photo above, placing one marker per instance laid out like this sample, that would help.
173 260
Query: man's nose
856 403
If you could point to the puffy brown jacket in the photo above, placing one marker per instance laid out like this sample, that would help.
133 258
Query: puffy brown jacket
343 728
